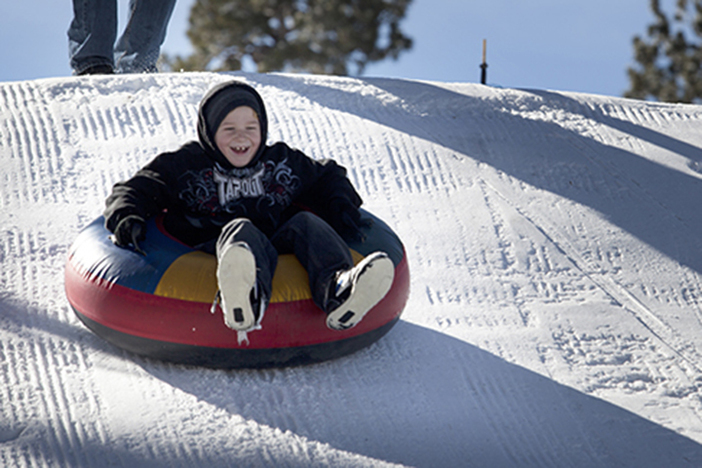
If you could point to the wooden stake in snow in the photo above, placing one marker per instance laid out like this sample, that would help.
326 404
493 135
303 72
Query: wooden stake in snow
484 65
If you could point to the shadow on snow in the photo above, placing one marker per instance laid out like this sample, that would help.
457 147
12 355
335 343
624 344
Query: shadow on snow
422 398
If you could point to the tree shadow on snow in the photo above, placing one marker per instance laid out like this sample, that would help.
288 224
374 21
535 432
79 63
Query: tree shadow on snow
655 203
422 398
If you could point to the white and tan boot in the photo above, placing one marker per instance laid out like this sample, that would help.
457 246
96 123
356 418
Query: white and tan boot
236 276
358 290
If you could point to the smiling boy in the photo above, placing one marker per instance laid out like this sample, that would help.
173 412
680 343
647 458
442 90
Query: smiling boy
232 195
239 136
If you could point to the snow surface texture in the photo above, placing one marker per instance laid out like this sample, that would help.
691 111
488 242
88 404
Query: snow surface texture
554 245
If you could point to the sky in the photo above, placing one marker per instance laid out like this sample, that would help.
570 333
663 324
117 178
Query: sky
562 45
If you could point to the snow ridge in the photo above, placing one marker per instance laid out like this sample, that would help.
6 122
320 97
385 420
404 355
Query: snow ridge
555 318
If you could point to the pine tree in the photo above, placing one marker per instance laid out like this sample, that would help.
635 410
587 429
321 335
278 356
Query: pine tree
317 36
669 61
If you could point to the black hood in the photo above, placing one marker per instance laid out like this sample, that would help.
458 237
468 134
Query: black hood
214 107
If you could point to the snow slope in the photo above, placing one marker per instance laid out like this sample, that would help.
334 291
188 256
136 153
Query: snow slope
554 244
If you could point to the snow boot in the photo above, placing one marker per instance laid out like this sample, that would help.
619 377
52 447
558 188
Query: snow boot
356 291
239 297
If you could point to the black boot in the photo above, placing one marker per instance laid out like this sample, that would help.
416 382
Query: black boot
101 69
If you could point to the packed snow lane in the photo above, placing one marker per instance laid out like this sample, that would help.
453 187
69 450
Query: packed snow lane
555 315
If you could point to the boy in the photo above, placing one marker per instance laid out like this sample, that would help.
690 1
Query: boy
232 195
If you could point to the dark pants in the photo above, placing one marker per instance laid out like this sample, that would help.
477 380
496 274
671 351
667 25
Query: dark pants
318 247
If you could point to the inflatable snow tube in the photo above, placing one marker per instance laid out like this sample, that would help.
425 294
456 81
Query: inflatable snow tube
159 305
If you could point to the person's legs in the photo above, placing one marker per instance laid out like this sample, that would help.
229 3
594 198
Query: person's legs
344 291
243 230
246 262
91 35
320 250
138 48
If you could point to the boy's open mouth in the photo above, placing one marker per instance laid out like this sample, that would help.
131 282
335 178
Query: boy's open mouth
239 149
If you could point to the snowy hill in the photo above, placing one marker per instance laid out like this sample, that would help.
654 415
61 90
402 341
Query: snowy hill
555 318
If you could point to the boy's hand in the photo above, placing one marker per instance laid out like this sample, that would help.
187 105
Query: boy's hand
130 231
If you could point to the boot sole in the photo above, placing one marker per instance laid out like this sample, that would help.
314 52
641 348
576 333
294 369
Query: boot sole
236 275
370 286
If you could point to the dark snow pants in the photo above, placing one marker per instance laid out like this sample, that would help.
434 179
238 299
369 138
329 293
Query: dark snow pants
318 247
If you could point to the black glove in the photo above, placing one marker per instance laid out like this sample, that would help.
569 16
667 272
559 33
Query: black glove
345 218
130 231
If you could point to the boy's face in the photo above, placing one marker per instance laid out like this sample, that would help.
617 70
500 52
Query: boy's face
239 136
